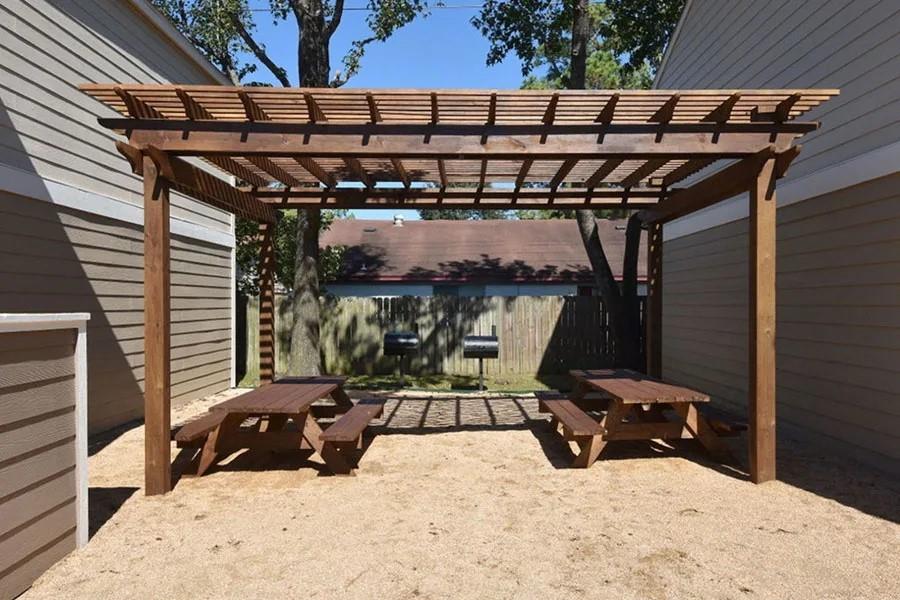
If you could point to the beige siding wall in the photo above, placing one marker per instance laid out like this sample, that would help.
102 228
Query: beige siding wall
47 126
853 46
37 455
61 260
838 254
838 320
55 258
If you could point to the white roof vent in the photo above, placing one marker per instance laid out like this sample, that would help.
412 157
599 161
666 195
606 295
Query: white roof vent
398 220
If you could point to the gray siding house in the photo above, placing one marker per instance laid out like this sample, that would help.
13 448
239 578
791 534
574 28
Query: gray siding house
838 280
71 211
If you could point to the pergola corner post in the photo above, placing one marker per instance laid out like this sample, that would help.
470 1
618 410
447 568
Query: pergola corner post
157 317
653 314
761 374
266 303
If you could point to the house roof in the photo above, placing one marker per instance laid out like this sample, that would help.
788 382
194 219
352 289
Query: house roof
547 251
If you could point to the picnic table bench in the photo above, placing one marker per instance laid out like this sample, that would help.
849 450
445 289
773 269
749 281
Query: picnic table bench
220 432
635 407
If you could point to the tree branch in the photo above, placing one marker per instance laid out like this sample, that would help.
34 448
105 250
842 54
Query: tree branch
260 53
335 18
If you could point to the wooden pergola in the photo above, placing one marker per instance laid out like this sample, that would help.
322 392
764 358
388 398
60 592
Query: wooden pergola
349 148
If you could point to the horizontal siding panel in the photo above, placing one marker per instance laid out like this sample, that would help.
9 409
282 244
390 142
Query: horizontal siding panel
19 439
31 538
21 473
19 579
28 401
15 510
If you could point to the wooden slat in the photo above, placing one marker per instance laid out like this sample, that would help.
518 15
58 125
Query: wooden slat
642 172
354 422
238 170
402 175
602 172
316 171
762 324
137 108
316 114
574 419
206 187
550 112
722 113
374 114
193 109
687 169
654 312
562 173
157 310
266 164
252 109
442 172
357 169
523 172
609 110
666 111
266 274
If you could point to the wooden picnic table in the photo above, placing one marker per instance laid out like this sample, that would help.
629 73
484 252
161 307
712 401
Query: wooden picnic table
222 431
635 407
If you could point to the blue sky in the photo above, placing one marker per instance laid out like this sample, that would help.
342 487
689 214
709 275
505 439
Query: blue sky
442 50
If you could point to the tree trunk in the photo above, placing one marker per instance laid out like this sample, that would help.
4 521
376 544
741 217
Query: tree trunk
631 308
603 277
624 334
305 357
314 65
581 31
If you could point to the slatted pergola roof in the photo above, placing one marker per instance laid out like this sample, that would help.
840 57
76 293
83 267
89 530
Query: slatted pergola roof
329 148
494 149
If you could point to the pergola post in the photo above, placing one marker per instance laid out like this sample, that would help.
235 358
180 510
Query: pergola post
157 368
266 303
762 325
653 315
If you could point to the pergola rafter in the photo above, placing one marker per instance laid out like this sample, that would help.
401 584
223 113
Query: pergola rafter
312 148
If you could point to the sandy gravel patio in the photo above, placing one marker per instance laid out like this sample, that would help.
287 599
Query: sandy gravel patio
480 508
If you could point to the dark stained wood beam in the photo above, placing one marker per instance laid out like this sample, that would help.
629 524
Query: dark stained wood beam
762 366
137 108
482 175
357 169
724 184
442 172
642 172
550 112
266 164
316 170
316 114
238 170
602 172
620 141
473 200
267 267
666 111
523 173
253 111
562 173
722 113
435 109
202 186
456 192
374 113
193 109
653 324
157 327
402 175
609 111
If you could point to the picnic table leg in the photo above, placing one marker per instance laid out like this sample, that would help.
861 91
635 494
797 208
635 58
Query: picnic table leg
700 428
590 450
332 456
275 422
217 441
341 399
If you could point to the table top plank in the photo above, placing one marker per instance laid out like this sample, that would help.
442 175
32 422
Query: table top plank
279 397
632 387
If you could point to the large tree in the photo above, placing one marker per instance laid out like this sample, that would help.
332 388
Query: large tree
462 214
579 44
225 31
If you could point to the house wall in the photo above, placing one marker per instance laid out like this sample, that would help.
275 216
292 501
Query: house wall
838 263
71 211
38 490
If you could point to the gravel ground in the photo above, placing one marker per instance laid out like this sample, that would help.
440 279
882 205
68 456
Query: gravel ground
468 497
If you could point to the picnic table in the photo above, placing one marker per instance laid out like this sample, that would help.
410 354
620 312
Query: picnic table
222 430
635 407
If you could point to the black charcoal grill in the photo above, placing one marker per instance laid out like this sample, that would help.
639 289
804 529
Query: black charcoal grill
401 344
481 347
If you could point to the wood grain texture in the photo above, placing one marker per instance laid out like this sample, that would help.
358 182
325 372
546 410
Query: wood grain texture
157 327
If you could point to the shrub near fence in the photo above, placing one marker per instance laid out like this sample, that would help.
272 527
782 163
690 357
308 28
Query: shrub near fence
538 334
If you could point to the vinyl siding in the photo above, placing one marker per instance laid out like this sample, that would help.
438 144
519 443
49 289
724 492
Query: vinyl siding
59 259
838 254
838 316
853 46
37 454
47 126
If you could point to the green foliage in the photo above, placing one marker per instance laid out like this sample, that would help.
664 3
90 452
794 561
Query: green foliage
603 213
626 45
247 252
463 214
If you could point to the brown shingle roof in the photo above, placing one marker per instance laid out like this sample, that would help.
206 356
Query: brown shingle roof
460 251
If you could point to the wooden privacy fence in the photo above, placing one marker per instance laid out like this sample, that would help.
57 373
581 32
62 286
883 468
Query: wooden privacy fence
538 334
